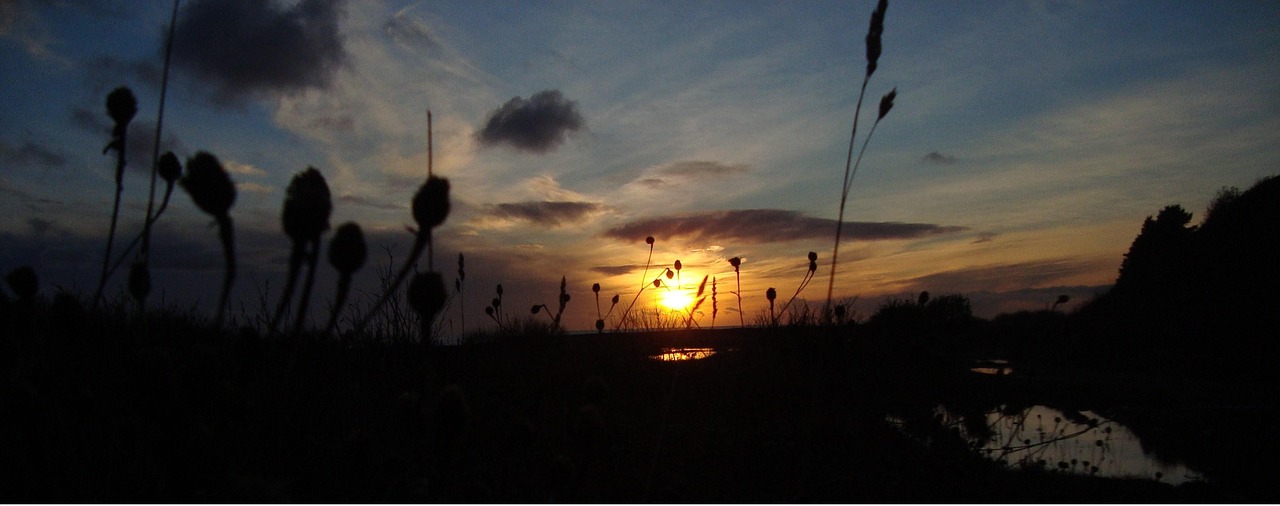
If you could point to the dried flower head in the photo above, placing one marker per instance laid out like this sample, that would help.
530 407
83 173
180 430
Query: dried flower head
615 299
595 287
813 257
873 36
600 325
169 167
347 250
735 262
431 203
678 265
771 294
307 206
886 102
121 106
208 184
649 240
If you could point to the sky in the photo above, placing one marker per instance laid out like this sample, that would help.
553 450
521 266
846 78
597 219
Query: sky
1028 141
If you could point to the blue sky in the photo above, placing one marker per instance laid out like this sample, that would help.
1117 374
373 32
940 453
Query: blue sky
1027 143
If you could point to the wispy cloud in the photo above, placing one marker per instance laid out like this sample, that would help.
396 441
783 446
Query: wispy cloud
249 48
536 125
939 158
768 226
32 154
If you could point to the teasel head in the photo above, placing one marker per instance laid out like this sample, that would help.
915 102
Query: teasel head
121 106
208 184
427 295
169 167
886 103
347 250
307 206
735 262
431 203
771 294
139 281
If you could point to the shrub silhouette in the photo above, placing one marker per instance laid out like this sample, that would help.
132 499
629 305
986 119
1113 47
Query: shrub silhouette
213 192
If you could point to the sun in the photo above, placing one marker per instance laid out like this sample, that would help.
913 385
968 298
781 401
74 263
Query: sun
676 300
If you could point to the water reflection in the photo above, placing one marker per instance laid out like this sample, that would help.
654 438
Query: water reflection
681 354
1077 442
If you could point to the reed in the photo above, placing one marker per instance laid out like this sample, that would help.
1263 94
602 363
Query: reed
874 48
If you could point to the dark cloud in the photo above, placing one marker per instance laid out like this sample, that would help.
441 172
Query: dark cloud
551 214
537 125
985 237
1001 277
30 154
768 225
939 158
254 47
616 270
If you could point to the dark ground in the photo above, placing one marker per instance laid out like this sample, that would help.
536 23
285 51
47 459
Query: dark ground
790 415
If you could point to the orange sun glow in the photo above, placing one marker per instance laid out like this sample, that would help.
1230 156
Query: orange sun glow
676 300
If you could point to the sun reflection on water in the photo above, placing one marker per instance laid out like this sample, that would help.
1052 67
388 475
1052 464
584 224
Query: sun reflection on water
682 354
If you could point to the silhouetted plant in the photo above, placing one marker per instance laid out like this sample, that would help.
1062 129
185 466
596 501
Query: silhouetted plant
121 106
679 285
23 282
426 296
771 294
808 276
137 284
305 217
457 284
702 287
169 169
213 192
643 283
347 252
850 166
564 299
736 262
494 309
715 303
1062 299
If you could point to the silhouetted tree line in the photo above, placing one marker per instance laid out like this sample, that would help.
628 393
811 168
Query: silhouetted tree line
1197 298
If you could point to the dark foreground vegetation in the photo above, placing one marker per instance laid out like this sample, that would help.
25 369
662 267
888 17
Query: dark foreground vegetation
167 410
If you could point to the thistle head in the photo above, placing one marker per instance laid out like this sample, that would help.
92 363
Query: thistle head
649 240
307 206
886 103
600 325
121 106
615 300
169 167
208 184
347 250
678 265
813 261
735 262
595 287
771 294
431 203
426 294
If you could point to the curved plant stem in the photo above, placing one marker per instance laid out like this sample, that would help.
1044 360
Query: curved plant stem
155 147
419 243
296 256
164 204
344 286
643 277
115 216
844 196
312 258
226 232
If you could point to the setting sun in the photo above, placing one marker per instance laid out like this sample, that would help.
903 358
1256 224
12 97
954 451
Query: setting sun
678 300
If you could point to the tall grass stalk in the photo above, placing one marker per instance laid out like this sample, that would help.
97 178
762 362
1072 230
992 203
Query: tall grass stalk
643 284
850 168
155 162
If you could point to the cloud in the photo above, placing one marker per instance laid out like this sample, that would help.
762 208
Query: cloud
249 48
551 214
616 270
30 154
1004 276
243 169
939 158
768 226
355 200
701 168
537 125
141 137
250 187
985 237
408 31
